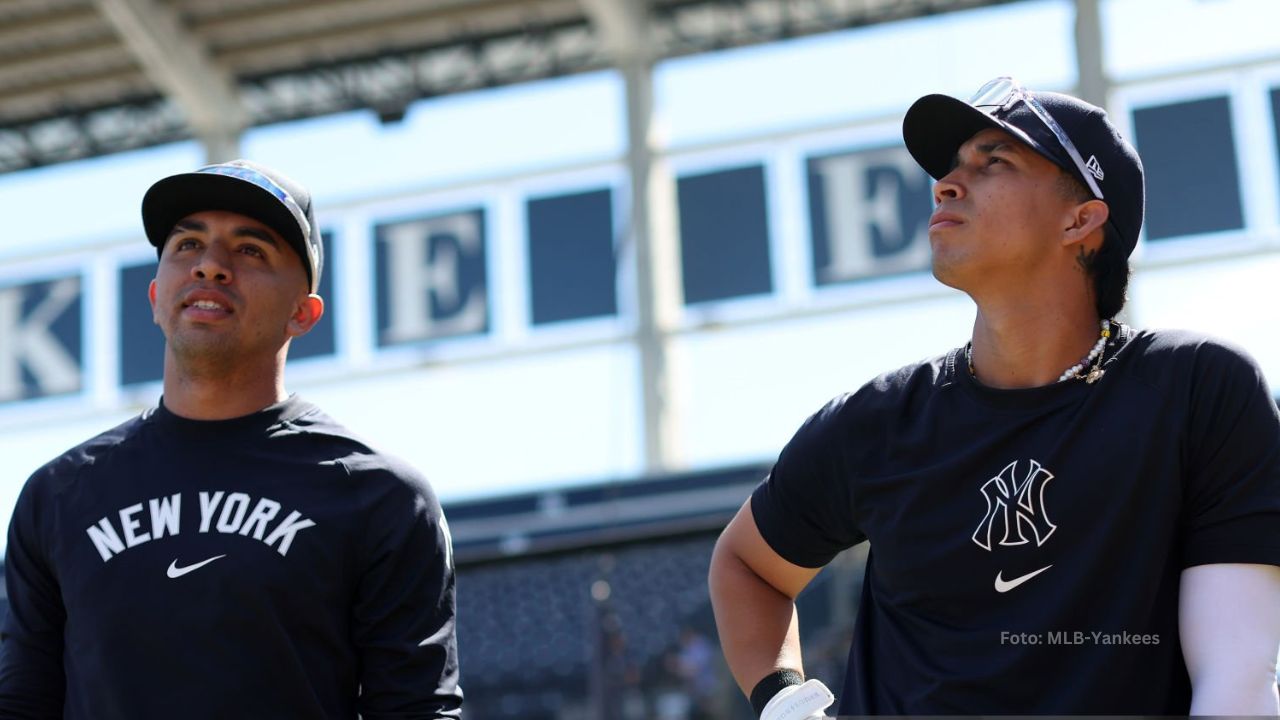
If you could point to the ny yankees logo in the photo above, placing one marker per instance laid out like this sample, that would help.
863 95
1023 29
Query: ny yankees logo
1004 493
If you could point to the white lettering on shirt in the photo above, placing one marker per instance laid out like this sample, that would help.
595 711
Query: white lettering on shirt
236 513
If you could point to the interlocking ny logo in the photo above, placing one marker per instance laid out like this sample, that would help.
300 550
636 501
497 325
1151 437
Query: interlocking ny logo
1015 505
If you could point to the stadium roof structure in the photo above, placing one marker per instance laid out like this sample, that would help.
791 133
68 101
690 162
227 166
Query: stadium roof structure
82 78
608 512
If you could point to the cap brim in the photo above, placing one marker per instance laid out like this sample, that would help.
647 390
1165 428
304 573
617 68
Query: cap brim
935 127
177 196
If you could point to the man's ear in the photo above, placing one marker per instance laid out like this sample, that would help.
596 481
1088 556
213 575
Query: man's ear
151 297
1083 223
305 316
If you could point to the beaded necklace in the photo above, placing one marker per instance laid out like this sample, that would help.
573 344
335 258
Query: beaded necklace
1075 372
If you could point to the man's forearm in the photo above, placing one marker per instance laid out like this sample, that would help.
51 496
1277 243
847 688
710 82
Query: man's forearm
758 628
1230 631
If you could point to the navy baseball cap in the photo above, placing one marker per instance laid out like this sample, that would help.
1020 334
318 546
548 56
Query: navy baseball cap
244 187
1074 135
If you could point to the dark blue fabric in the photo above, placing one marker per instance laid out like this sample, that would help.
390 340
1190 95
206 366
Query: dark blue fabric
1007 527
265 566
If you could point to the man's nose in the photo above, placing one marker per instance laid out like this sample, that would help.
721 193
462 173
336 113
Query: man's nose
949 187
213 264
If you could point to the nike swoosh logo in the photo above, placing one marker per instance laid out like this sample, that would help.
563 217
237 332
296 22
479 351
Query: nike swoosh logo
177 572
1003 586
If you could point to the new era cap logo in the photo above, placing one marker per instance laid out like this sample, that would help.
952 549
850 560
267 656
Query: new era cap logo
1093 167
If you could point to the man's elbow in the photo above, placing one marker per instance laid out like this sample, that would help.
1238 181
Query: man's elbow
726 566
1236 692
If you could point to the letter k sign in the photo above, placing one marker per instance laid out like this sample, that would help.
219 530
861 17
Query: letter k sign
29 343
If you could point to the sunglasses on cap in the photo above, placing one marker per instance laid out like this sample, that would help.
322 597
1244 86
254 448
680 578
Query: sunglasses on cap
1000 94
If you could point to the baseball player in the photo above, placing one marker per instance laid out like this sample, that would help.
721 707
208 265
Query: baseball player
1067 515
233 552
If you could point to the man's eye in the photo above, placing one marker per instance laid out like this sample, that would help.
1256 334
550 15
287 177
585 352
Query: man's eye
253 250
185 243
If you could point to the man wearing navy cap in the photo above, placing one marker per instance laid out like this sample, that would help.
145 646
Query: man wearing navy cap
1067 515
232 552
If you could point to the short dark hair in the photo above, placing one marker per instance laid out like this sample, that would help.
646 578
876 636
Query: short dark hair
1109 267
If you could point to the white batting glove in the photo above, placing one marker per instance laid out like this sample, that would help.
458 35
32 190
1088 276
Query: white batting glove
799 702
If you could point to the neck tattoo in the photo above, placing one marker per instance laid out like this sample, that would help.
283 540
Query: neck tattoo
1077 371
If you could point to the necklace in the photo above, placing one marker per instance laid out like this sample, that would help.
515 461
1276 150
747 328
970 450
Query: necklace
1077 371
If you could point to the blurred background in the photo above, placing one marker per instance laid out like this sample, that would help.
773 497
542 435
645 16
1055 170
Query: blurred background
591 262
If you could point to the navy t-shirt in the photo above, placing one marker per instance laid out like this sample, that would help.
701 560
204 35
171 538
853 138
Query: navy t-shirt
267 566
1026 545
